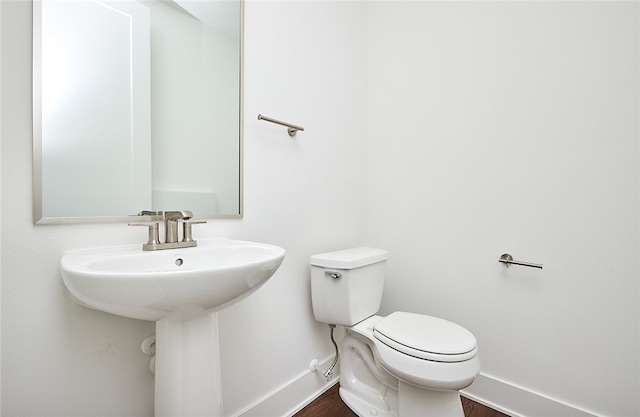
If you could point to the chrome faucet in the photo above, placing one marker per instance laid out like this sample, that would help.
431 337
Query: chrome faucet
171 224
171 219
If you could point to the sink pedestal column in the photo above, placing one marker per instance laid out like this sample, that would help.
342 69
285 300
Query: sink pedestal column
188 367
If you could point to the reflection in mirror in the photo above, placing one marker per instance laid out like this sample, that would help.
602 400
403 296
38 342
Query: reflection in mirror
136 106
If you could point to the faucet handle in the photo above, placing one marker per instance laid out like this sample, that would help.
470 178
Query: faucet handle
150 213
186 230
153 239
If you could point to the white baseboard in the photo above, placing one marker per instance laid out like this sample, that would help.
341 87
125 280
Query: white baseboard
500 395
517 401
294 395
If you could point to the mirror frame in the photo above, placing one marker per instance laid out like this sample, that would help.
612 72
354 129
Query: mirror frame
38 217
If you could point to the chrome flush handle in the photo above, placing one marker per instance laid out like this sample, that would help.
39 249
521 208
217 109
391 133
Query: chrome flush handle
333 274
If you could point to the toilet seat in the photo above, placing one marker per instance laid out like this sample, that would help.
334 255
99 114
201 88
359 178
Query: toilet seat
423 373
426 337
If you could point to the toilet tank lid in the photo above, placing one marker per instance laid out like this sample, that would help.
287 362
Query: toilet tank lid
349 258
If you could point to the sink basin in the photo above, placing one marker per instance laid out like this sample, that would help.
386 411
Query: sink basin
181 290
126 281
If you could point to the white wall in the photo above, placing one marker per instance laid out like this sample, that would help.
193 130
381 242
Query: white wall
304 64
513 127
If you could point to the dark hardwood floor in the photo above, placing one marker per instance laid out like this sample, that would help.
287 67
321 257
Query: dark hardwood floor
329 404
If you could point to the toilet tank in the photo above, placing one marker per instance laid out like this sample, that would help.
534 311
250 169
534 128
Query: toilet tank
346 285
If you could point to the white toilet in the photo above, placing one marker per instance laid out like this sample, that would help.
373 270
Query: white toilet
402 365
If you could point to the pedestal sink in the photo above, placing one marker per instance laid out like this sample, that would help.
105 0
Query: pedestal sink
180 289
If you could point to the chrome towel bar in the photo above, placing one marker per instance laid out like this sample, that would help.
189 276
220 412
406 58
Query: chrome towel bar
292 129
507 260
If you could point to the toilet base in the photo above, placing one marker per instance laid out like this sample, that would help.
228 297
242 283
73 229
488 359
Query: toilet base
363 408
412 402
415 402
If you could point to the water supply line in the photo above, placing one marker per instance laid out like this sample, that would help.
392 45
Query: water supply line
329 372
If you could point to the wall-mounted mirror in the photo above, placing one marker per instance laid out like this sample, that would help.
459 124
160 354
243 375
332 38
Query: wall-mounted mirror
137 106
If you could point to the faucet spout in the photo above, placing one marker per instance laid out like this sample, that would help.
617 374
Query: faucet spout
171 223
178 215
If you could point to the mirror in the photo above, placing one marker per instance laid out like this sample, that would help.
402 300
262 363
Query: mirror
137 106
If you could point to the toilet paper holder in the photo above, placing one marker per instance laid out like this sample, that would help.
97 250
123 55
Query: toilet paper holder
507 260
292 129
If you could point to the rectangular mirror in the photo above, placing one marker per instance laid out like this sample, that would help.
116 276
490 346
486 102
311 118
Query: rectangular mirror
137 106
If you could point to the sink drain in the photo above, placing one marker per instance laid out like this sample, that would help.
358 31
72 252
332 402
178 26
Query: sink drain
179 261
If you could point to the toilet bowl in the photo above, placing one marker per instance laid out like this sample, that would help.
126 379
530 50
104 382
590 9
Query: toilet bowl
401 365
